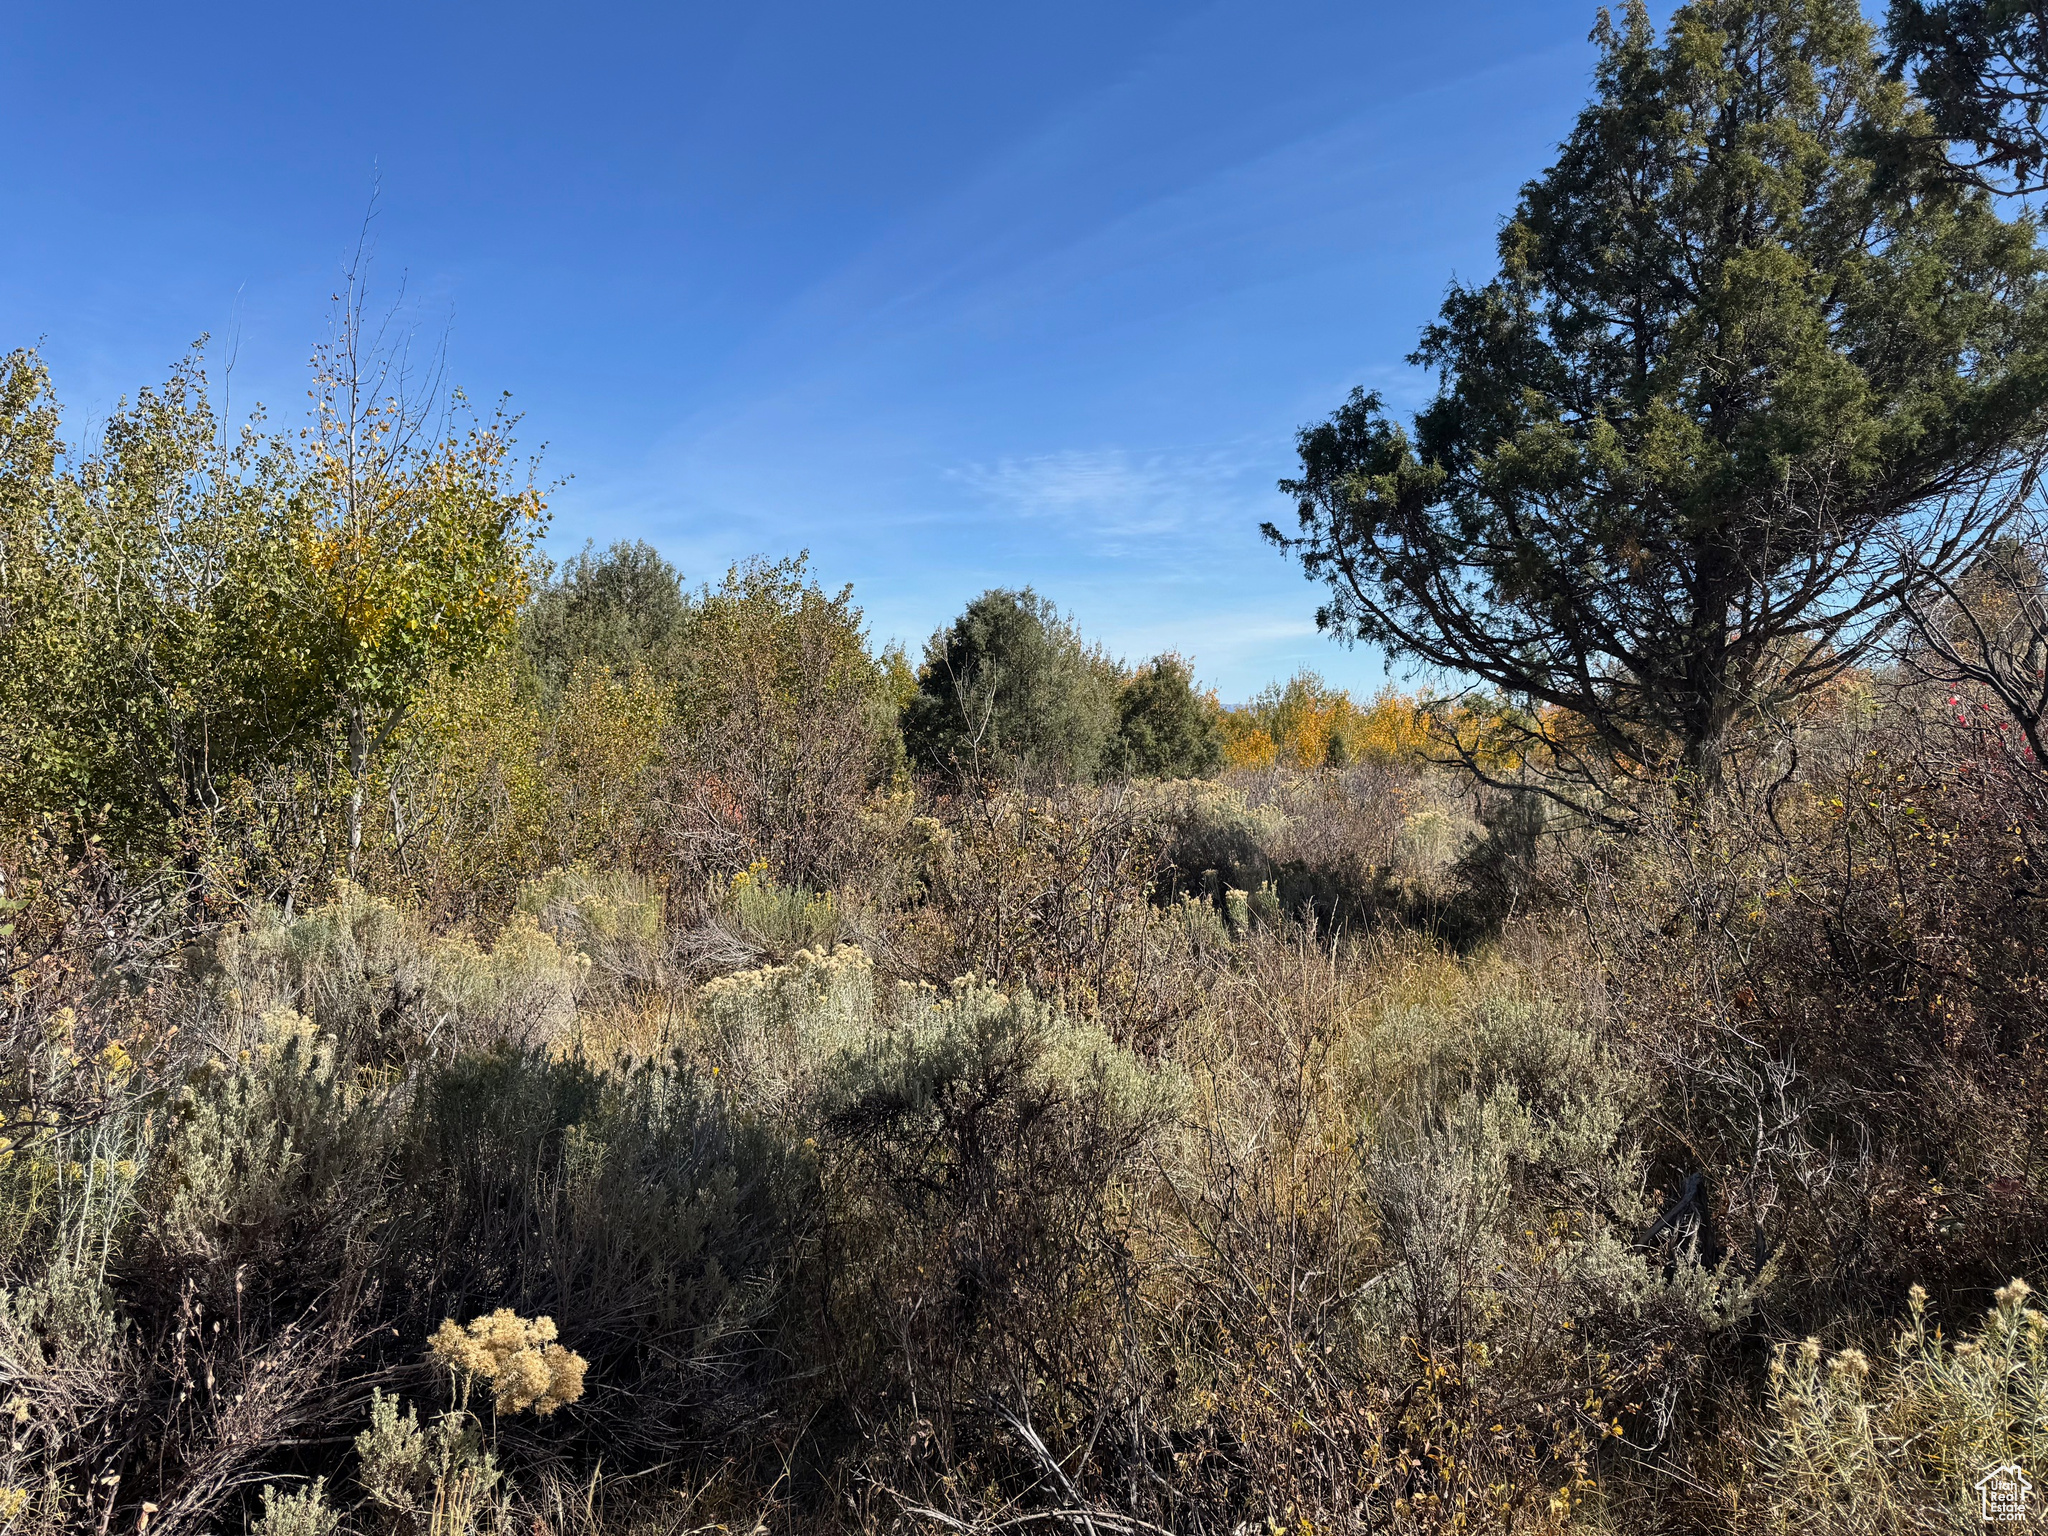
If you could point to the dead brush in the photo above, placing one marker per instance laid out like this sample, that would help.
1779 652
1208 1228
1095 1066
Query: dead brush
1392 1267
1037 891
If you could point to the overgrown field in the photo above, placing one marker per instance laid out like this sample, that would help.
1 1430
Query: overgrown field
1310 1146
489 1047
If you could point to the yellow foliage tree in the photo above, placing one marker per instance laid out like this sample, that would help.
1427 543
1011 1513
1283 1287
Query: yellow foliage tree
415 530
1307 723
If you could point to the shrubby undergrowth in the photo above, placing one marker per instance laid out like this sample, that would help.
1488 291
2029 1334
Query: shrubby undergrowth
485 1049
1342 1141
1182 1153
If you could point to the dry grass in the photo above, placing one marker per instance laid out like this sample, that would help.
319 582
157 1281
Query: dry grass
1136 1159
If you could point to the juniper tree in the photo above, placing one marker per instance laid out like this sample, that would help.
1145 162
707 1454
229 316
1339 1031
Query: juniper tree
622 609
1752 371
1982 68
1165 729
1011 689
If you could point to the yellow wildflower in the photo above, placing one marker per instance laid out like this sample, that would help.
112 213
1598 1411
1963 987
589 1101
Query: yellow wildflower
519 1358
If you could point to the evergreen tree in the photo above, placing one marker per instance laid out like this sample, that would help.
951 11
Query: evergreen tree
1753 370
1982 67
1165 730
620 610
1011 690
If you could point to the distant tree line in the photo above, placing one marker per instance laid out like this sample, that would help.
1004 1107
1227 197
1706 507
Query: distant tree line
264 659
1010 690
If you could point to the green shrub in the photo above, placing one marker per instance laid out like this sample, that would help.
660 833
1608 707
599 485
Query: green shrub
978 1149
769 1032
304 1513
1344 850
70 1364
612 924
1039 892
445 1477
656 1223
1409 1289
270 1147
1218 838
601 912
780 918
391 1457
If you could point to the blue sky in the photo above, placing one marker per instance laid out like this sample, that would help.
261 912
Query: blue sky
952 295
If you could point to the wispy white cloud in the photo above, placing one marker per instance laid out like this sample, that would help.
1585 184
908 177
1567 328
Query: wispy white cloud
1118 501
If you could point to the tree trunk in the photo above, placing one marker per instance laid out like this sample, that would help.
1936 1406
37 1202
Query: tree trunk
1704 768
358 768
